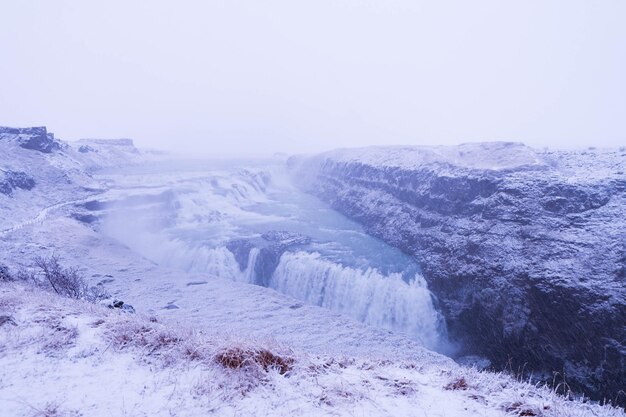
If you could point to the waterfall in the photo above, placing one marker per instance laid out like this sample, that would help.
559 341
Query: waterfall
383 301
218 261
248 273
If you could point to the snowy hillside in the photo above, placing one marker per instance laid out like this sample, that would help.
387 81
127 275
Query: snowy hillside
39 173
60 357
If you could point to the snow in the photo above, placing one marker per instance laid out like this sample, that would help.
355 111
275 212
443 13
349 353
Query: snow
486 155
71 358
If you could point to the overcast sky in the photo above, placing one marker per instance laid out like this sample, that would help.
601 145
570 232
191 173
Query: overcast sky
263 76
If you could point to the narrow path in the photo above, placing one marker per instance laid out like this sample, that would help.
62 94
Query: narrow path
43 214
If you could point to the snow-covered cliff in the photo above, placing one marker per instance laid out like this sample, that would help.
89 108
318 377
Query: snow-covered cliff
38 171
524 249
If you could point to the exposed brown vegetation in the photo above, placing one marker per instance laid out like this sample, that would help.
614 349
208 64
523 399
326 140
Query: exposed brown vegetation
521 409
59 337
457 384
239 358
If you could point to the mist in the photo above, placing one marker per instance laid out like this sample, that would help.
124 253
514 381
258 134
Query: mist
246 77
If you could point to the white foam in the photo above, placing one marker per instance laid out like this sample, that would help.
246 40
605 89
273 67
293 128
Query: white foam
368 296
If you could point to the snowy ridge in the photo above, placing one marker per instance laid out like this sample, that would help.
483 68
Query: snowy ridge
96 154
60 171
486 155
56 178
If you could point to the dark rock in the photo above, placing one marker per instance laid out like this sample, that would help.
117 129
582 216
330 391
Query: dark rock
93 205
286 238
267 261
85 218
527 262
271 248
11 180
192 283
4 319
86 149
35 138
5 274
118 304
241 249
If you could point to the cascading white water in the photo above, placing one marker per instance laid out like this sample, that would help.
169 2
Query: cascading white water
368 296
218 261
248 273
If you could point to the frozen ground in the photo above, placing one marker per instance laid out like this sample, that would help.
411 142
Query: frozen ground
69 358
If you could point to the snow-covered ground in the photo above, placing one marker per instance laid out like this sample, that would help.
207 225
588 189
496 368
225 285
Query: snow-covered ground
63 357
488 155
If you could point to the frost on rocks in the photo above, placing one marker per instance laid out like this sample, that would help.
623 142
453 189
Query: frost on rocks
523 248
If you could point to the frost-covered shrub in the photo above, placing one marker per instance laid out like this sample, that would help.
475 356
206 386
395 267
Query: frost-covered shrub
64 281
97 293
49 274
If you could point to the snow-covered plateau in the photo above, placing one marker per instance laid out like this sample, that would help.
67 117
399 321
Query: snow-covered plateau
256 297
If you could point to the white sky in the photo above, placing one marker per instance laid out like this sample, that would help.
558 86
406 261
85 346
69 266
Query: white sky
297 76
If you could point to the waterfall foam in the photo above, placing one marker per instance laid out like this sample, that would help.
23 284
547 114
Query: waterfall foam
368 296
218 261
248 273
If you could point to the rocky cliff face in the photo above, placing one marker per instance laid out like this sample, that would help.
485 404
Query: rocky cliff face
34 138
39 171
525 250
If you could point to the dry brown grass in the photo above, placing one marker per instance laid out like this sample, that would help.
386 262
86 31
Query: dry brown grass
240 358
521 409
457 384
59 337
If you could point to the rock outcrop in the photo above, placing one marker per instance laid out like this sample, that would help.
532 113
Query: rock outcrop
270 248
12 180
34 138
525 250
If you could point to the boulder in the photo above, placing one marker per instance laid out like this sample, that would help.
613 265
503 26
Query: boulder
7 320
